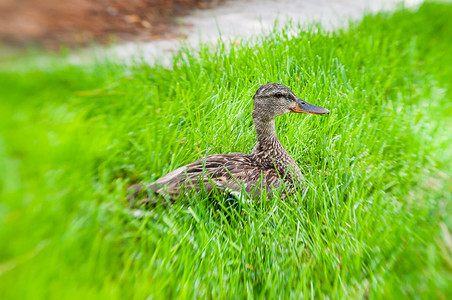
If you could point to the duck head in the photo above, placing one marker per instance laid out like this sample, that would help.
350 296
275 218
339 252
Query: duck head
275 99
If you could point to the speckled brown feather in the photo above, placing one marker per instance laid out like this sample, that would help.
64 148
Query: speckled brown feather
232 172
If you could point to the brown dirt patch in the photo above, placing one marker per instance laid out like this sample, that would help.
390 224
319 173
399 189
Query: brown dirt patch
53 23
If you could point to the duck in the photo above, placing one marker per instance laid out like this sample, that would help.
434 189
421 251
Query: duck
268 168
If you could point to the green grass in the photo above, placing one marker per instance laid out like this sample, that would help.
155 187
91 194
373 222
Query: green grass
375 220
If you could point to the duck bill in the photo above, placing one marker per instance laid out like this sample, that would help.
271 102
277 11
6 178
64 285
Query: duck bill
304 107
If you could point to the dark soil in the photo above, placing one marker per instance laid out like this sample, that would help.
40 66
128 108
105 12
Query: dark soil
53 23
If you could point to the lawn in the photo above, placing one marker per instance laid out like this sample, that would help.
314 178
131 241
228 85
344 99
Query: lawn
375 220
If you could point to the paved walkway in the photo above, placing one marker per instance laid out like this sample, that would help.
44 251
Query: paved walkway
245 18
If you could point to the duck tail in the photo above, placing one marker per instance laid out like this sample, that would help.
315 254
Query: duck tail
139 193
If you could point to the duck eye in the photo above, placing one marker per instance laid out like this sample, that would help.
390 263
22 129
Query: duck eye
278 95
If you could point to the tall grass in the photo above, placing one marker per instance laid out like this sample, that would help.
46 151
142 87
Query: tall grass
374 222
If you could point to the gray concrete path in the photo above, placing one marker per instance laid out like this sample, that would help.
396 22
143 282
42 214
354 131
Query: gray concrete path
245 18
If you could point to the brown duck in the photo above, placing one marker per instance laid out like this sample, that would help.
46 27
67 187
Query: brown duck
268 167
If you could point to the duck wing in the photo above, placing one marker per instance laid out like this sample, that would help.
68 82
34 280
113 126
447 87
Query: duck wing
234 172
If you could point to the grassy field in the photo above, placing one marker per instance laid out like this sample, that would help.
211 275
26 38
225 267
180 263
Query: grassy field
374 222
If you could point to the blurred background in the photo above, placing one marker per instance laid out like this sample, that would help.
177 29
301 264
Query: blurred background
53 23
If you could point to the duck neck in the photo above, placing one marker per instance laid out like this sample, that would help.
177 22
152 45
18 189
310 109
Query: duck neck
267 140
268 148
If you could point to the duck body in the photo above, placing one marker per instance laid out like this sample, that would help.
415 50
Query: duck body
233 172
268 168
